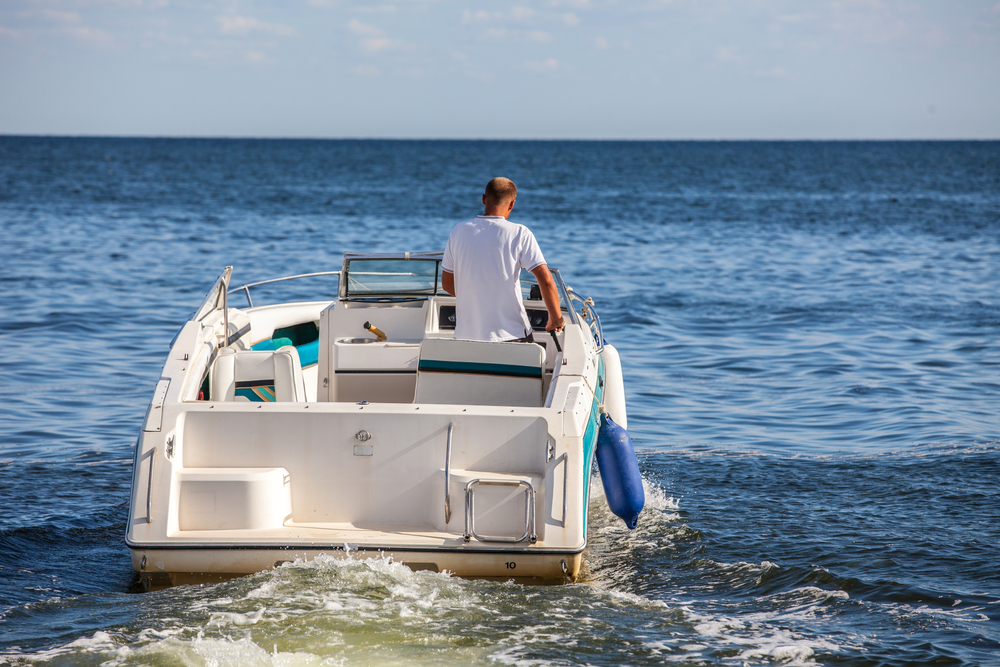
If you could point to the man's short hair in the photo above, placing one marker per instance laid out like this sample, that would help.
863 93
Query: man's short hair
500 190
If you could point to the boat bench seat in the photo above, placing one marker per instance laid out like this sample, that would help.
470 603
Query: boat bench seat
258 376
468 372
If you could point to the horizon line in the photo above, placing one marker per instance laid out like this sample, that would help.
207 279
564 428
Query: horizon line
472 139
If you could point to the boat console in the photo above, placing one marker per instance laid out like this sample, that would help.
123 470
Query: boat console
342 361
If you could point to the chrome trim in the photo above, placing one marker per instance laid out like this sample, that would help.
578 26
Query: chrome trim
425 254
246 288
225 312
221 282
590 312
561 286
447 475
149 487
437 256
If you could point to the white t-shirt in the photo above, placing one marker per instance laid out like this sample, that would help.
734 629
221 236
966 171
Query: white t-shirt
486 255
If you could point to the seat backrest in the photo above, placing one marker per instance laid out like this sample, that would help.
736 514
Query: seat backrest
468 372
259 376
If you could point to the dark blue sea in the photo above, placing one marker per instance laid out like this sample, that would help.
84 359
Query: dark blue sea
810 335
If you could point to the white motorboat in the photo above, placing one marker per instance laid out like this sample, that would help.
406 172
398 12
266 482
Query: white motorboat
280 432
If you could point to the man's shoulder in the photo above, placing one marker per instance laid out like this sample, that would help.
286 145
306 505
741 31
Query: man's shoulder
500 226
471 223
513 228
520 231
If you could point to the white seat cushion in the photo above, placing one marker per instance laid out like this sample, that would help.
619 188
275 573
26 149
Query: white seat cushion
467 372
258 376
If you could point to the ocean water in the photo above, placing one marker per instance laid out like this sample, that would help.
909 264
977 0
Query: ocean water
809 334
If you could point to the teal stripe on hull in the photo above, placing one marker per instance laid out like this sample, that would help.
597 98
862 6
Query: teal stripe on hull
590 439
477 367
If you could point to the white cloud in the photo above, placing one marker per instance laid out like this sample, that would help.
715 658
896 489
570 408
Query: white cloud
242 25
92 35
780 73
255 57
374 39
494 33
539 36
377 44
519 13
728 54
569 18
601 43
359 28
367 70
469 16
378 9
63 17
547 65
72 25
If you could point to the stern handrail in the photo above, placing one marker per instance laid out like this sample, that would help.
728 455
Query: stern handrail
447 476
149 487
529 511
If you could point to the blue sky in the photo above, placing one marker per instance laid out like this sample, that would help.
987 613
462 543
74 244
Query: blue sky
657 69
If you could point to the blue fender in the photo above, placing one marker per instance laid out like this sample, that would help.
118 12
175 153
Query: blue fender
620 472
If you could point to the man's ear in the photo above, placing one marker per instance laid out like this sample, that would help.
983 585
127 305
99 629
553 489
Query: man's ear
484 199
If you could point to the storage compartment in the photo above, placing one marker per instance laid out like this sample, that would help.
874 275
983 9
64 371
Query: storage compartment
233 498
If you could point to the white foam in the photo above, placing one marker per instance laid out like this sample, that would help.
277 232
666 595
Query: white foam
906 611
720 627
99 642
788 655
372 611
810 595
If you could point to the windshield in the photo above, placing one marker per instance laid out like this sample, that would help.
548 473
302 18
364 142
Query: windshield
391 277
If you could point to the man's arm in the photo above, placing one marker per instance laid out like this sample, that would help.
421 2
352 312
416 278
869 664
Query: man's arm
448 282
547 286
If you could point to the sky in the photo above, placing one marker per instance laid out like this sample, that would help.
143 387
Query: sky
547 69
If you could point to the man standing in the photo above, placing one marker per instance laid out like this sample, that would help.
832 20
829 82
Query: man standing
482 266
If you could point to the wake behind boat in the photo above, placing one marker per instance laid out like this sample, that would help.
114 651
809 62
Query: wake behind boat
279 432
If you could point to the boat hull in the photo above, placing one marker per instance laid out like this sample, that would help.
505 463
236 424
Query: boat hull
158 568
466 457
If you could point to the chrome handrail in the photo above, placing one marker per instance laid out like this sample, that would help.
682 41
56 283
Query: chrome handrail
246 287
561 286
447 476
225 312
529 511
149 486
589 311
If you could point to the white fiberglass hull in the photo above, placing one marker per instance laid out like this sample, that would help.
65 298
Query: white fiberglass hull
224 486
183 566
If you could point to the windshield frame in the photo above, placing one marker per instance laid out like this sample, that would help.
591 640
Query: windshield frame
346 294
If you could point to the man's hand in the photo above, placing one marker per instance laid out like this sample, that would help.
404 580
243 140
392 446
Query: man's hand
547 286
